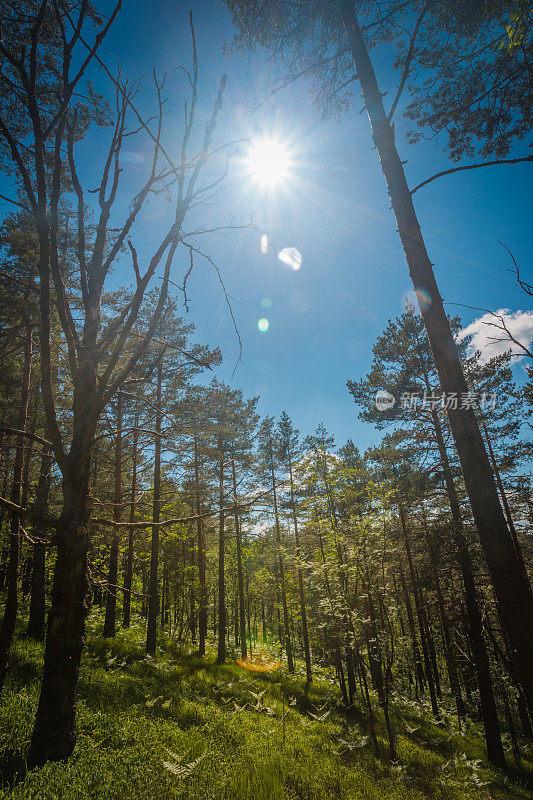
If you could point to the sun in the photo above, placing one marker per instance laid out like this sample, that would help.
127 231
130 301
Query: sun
268 161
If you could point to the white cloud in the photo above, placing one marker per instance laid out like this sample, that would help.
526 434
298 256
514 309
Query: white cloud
492 341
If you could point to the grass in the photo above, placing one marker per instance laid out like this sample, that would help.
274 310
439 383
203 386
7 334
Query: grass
182 727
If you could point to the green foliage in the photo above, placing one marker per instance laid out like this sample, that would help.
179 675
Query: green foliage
475 83
519 25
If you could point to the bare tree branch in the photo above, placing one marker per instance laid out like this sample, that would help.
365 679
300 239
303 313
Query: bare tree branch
409 57
524 285
27 434
471 166
501 326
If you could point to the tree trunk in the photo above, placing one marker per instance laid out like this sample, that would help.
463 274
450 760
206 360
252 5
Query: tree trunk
263 622
426 616
248 612
375 661
153 592
221 654
419 671
301 589
350 675
25 483
164 593
419 614
7 628
241 627
286 625
337 658
4 558
112 576
512 589
38 575
480 656
54 734
128 577
505 504
202 599
192 597
371 719
451 666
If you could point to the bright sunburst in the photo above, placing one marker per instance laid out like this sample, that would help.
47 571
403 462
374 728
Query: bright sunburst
268 161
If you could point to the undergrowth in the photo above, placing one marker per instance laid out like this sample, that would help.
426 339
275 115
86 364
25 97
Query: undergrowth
177 726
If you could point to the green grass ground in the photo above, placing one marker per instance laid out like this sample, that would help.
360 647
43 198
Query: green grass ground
180 727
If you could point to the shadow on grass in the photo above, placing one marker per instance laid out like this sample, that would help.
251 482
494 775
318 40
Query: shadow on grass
13 767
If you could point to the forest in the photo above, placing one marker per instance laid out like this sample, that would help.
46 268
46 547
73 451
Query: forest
315 583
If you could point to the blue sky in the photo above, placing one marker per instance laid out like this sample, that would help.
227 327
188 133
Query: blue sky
325 317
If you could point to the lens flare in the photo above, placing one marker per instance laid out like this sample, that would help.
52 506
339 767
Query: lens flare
260 663
264 243
263 325
291 256
424 299
266 302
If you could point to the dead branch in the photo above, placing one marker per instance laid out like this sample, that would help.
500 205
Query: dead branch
179 520
34 541
409 58
26 434
471 166
47 519
526 287
107 586
501 325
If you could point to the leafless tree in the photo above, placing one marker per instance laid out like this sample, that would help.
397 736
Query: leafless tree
44 113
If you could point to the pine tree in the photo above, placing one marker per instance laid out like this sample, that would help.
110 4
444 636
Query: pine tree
330 42
289 452
268 471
